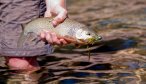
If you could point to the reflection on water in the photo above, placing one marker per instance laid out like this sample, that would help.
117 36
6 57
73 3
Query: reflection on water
70 81
120 58
22 79
100 67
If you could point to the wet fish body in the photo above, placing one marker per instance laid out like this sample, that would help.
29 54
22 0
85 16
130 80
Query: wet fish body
70 29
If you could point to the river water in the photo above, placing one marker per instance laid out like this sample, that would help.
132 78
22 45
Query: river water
118 59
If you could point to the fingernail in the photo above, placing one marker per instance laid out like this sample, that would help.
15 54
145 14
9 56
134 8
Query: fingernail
54 23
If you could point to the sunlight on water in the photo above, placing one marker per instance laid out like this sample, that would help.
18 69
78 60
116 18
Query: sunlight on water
119 59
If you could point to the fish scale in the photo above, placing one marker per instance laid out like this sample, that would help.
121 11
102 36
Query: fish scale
68 29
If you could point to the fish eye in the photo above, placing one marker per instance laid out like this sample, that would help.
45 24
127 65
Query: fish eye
88 34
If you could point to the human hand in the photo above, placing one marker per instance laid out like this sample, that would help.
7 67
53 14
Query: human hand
52 38
56 8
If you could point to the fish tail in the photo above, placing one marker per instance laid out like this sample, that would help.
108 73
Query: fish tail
21 40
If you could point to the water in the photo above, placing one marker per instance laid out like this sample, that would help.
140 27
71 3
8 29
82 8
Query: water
119 59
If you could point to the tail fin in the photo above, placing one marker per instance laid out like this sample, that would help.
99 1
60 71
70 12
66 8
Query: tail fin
22 37
21 40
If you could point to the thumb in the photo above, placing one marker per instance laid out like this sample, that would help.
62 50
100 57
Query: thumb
60 17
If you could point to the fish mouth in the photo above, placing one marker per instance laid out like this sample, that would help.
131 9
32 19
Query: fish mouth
91 40
94 39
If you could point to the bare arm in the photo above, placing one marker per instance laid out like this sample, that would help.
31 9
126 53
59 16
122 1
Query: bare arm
56 8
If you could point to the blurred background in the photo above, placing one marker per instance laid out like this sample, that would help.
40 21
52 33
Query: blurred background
120 58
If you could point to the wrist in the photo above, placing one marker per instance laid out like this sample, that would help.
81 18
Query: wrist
51 4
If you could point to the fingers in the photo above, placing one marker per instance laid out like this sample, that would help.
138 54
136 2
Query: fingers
62 15
42 35
49 38
55 39
52 38
63 41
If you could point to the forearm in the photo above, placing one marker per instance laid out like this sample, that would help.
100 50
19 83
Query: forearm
52 4
56 8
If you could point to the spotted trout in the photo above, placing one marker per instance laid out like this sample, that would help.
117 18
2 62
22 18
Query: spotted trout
71 30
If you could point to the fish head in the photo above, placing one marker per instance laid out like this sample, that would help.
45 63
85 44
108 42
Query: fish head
87 35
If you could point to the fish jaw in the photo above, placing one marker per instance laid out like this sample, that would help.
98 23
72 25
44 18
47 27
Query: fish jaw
94 40
87 36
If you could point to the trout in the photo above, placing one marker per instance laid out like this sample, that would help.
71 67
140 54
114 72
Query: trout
70 30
